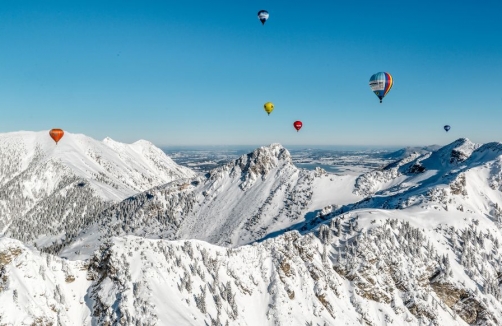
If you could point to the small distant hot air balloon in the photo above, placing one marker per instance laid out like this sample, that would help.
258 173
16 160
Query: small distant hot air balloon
263 16
56 134
381 83
298 125
269 107
447 128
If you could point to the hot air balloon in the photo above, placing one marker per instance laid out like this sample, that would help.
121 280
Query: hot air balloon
447 128
56 134
381 83
269 107
298 125
263 16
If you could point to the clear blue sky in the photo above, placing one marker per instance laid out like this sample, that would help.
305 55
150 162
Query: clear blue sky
198 72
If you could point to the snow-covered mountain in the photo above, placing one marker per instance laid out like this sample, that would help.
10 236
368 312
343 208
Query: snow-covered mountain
447 172
374 268
416 243
247 199
53 190
407 151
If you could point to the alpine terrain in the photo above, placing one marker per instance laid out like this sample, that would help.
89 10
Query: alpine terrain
48 192
255 242
259 194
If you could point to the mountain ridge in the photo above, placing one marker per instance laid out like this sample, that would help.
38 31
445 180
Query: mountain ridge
43 184
419 245
245 200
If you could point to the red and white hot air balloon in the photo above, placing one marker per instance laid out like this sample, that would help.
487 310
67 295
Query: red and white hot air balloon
298 125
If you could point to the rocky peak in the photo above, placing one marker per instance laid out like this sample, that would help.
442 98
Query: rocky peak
460 150
454 153
256 164
263 159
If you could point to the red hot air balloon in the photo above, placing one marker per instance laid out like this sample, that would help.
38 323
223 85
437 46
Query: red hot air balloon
298 125
56 134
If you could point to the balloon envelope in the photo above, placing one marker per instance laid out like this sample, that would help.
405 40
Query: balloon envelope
269 107
298 125
56 134
447 127
263 16
381 83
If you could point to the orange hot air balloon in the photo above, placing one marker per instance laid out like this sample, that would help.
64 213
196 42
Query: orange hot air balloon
298 125
56 134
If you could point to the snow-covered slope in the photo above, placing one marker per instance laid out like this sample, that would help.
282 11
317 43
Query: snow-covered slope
403 172
461 176
423 248
41 289
263 194
369 267
53 190
249 198
407 151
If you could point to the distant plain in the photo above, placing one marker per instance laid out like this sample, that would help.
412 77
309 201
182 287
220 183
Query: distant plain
338 160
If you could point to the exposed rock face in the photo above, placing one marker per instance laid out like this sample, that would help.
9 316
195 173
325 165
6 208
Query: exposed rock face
458 186
455 153
259 163
6 258
417 168
458 156
449 293
464 303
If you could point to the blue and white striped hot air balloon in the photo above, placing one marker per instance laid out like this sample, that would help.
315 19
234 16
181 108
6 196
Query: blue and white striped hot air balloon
447 128
381 83
263 16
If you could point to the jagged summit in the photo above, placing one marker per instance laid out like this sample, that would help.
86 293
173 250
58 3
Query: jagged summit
249 198
454 153
258 164
264 158
239 202
267 156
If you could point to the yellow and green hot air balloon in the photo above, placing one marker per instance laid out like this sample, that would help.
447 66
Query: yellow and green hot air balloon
269 107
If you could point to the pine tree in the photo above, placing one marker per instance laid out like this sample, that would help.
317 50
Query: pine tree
325 234
200 300
324 255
